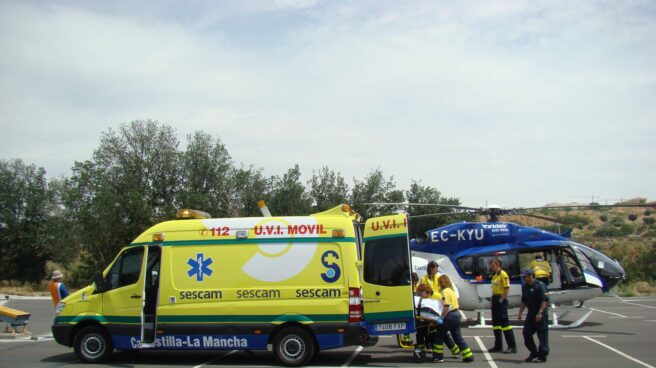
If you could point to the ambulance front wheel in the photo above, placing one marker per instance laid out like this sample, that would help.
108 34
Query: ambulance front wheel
93 344
293 346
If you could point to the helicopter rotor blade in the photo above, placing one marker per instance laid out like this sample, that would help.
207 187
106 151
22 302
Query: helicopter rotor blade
420 204
586 206
547 218
439 214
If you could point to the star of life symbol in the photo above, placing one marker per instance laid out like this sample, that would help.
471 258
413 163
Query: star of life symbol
200 266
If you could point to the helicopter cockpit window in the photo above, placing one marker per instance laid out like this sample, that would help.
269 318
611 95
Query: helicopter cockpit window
466 265
508 263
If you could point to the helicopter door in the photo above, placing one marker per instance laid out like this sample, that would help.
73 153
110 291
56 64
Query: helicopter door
589 273
386 287
571 272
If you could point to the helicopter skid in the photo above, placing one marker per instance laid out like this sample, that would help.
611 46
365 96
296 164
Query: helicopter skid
553 323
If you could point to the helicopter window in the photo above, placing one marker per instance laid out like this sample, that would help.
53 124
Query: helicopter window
571 268
386 262
466 265
508 263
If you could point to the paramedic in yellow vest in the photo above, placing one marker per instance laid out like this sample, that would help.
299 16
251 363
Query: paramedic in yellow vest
431 279
57 288
451 325
542 269
500 324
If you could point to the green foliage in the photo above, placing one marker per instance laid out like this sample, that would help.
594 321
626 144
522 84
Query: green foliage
424 194
614 231
603 218
375 188
24 203
648 212
617 221
649 220
632 217
129 184
327 189
575 219
288 196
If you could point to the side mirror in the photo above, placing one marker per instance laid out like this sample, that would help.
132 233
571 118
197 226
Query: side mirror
100 283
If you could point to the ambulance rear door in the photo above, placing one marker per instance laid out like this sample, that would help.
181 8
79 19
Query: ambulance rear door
387 286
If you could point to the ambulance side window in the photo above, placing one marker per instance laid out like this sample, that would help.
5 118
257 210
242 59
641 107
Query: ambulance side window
126 269
386 262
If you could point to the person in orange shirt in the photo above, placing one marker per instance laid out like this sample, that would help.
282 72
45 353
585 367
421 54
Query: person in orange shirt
57 288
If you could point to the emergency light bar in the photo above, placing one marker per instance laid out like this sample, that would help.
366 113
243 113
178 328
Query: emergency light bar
187 213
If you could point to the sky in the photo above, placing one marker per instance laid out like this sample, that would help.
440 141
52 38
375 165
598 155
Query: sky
515 103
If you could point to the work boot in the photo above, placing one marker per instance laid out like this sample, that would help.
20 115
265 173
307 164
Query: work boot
419 355
531 358
468 360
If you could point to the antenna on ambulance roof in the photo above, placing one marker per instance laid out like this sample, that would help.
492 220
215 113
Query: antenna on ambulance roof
263 208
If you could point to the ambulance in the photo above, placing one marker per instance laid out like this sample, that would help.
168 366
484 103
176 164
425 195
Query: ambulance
291 285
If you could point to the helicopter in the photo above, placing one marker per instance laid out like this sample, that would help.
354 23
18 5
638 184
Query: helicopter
463 251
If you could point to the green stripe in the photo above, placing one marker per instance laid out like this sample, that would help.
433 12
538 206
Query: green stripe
100 319
247 241
251 318
402 235
389 315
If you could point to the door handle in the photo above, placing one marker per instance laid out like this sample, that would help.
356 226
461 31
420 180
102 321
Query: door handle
135 296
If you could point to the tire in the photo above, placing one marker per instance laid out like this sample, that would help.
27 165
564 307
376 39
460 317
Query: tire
93 345
293 346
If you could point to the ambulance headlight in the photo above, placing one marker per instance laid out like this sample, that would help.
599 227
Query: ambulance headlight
59 308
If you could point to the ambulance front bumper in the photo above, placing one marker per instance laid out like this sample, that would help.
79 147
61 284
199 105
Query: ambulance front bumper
62 332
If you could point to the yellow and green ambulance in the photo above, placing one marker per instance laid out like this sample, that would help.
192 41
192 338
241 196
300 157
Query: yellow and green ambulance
295 285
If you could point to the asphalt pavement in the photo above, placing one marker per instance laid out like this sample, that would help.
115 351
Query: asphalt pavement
618 333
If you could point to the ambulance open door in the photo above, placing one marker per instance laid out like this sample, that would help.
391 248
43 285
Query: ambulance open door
387 286
151 296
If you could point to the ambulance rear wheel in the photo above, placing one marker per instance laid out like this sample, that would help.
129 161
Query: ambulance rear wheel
293 346
93 345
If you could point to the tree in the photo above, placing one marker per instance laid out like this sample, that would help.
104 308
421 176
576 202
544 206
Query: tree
129 184
375 188
24 200
425 194
248 187
327 189
207 171
287 195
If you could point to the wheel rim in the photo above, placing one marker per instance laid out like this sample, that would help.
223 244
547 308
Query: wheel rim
93 346
293 347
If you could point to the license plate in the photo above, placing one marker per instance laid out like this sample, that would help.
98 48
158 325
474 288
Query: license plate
390 326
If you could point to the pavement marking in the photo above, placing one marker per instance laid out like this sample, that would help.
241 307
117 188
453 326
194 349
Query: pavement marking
641 305
628 317
487 355
615 314
216 359
619 352
353 356
583 336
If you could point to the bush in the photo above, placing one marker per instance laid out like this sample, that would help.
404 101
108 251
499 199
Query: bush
633 217
617 221
614 231
647 213
603 218
649 220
